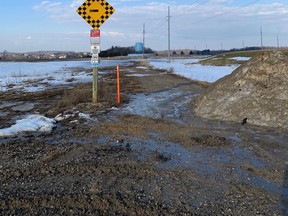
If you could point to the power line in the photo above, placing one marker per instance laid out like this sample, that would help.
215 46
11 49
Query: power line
196 7
224 13
185 9
181 10
160 25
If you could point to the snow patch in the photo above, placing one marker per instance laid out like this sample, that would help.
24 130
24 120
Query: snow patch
187 68
241 58
141 67
32 123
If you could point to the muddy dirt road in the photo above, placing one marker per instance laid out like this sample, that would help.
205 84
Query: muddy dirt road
149 156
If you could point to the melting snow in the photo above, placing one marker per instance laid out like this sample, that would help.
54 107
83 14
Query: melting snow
190 69
241 58
31 123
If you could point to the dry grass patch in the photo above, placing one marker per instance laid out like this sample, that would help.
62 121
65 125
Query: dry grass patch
80 94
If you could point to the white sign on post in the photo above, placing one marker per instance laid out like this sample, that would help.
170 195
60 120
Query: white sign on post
95 60
95 49
95 36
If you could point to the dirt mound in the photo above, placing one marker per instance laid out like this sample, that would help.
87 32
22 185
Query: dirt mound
255 93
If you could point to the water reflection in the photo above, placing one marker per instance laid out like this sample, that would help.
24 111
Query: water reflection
285 192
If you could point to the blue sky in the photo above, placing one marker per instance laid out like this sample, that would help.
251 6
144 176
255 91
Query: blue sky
54 25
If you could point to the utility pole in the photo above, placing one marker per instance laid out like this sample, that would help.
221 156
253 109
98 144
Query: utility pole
261 34
143 41
278 42
169 28
4 54
243 43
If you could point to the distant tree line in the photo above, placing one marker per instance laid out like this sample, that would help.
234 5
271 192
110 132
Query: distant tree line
121 51
195 52
216 52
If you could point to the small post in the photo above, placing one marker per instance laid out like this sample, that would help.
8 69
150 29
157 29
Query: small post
118 84
95 84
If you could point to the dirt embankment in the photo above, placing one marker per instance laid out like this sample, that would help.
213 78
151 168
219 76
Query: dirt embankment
256 93
126 162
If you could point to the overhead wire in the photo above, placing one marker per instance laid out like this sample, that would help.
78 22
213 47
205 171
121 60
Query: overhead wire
179 26
196 7
186 9
161 25
178 11
221 14
224 13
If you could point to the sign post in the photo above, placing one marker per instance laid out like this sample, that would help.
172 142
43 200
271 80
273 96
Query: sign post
95 85
95 13
95 50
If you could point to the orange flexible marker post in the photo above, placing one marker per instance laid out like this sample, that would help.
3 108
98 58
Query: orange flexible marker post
118 84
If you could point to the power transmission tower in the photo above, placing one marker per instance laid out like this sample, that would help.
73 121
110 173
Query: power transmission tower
169 28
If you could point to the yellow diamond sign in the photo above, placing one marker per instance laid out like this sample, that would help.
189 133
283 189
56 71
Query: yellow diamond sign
95 12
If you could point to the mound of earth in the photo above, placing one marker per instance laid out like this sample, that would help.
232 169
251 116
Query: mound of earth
256 93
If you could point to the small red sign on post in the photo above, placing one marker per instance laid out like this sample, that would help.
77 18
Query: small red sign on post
95 36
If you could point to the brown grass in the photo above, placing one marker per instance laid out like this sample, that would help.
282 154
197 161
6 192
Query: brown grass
225 59
220 61
80 94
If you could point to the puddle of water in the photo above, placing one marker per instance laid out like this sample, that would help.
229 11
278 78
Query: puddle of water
3 114
165 104
24 107
9 104
235 138
266 185
144 75
102 140
173 155
269 186
209 162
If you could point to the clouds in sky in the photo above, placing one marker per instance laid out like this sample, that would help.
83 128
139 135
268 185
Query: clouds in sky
194 24
60 11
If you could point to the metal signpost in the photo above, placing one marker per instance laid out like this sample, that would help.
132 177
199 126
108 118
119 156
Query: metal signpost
95 13
95 50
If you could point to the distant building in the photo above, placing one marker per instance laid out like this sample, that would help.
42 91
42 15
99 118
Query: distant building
63 57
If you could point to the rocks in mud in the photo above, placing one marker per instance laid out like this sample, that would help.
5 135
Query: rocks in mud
162 157
255 93
209 140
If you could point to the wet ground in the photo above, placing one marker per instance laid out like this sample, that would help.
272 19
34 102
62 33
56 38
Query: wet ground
149 156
